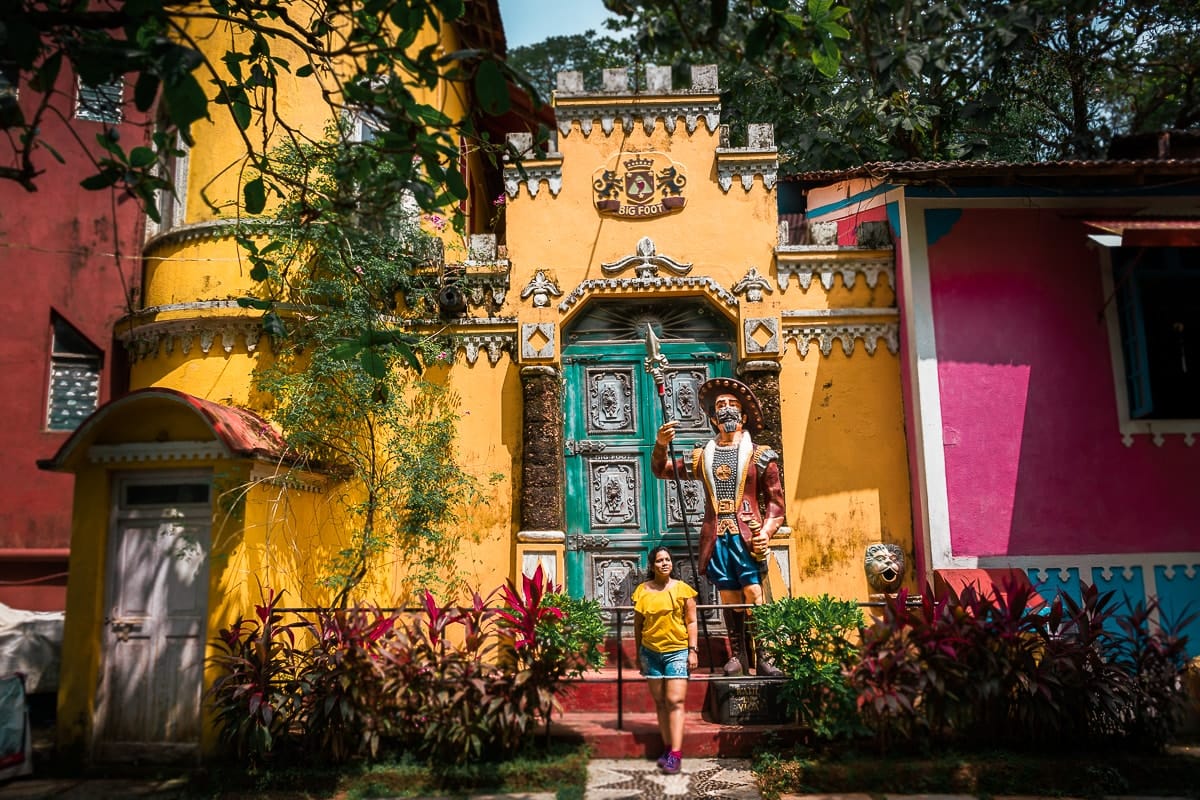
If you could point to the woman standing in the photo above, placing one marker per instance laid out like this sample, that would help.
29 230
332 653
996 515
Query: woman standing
664 626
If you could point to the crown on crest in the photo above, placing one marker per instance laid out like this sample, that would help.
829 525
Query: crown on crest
635 164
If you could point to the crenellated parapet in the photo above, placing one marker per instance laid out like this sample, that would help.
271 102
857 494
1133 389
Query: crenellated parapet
617 103
760 157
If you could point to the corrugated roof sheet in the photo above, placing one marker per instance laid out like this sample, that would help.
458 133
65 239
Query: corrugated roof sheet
918 171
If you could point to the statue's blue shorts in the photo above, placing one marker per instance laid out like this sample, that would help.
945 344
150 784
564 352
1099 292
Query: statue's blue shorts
731 565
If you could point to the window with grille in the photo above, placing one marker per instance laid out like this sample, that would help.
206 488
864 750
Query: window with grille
74 377
100 102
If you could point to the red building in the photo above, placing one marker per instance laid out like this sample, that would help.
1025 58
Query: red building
70 265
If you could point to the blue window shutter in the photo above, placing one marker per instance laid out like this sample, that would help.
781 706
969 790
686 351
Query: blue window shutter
1133 339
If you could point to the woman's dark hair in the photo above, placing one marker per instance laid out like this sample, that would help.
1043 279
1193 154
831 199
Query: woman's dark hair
650 560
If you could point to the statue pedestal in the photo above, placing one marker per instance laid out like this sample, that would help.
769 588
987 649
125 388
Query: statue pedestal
747 701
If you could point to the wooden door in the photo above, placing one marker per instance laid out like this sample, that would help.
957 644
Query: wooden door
616 510
153 641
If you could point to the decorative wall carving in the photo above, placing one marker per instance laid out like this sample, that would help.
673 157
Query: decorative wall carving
824 265
884 565
493 343
634 285
846 333
529 332
646 262
765 329
541 288
753 285
139 452
145 341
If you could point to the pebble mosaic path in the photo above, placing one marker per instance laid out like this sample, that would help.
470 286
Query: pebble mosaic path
720 779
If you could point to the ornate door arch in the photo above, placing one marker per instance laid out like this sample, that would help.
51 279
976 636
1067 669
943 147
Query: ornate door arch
615 509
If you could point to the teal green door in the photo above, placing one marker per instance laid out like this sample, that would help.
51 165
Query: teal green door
616 509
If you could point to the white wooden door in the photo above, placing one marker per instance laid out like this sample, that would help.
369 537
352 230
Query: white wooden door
153 660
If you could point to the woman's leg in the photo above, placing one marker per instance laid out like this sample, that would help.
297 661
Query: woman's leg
658 691
675 697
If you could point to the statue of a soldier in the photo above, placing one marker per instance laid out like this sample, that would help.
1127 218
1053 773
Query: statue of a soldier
743 504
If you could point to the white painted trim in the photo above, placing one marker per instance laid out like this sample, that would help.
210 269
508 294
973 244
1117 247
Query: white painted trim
919 331
1129 427
156 451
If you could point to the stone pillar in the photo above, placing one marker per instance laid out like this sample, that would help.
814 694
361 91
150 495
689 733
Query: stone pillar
542 472
763 379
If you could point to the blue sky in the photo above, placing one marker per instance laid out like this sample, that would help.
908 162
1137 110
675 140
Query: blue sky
529 21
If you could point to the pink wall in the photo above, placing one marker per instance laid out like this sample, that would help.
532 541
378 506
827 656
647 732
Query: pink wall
60 253
1034 459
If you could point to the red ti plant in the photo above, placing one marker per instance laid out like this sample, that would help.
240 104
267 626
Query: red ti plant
254 698
535 678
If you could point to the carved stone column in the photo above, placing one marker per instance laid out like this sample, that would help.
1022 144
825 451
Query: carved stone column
763 378
542 475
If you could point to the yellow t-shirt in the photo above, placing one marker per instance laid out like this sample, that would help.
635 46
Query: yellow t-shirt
664 626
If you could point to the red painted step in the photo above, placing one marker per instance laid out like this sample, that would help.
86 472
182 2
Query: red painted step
638 736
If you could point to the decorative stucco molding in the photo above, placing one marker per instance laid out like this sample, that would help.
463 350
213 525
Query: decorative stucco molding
541 288
274 475
140 452
844 331
760 157
145 341
616 103
528 347
646 262
657 284
195 232
493 343
534 173
805 261
753 285
755 328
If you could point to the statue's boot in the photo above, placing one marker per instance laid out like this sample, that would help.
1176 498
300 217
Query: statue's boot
763 665
758 658
735 625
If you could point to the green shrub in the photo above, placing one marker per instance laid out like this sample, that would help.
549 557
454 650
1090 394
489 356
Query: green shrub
812 640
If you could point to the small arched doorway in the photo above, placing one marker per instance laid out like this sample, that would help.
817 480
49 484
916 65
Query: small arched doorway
615 509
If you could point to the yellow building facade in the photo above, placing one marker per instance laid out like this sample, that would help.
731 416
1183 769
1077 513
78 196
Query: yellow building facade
641 213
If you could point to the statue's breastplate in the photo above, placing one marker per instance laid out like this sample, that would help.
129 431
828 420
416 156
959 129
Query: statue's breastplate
725 486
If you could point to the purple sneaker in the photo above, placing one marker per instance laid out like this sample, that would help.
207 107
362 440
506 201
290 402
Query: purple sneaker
673 764
662 760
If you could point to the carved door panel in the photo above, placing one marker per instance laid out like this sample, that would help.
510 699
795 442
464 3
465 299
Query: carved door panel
149 705
616 509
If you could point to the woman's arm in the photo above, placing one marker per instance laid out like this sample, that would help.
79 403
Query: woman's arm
689 617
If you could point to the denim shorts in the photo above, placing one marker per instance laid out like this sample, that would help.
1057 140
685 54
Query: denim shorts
664 665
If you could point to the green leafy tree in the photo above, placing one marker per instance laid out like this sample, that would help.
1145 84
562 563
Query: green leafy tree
345 384
586 52
929 80
190 60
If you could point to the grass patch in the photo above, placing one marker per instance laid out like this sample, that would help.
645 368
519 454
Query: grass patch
1089 775
559 768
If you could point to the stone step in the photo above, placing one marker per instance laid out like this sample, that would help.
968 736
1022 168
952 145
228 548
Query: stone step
637 735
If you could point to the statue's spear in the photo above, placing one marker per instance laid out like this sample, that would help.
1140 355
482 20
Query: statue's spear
655 363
